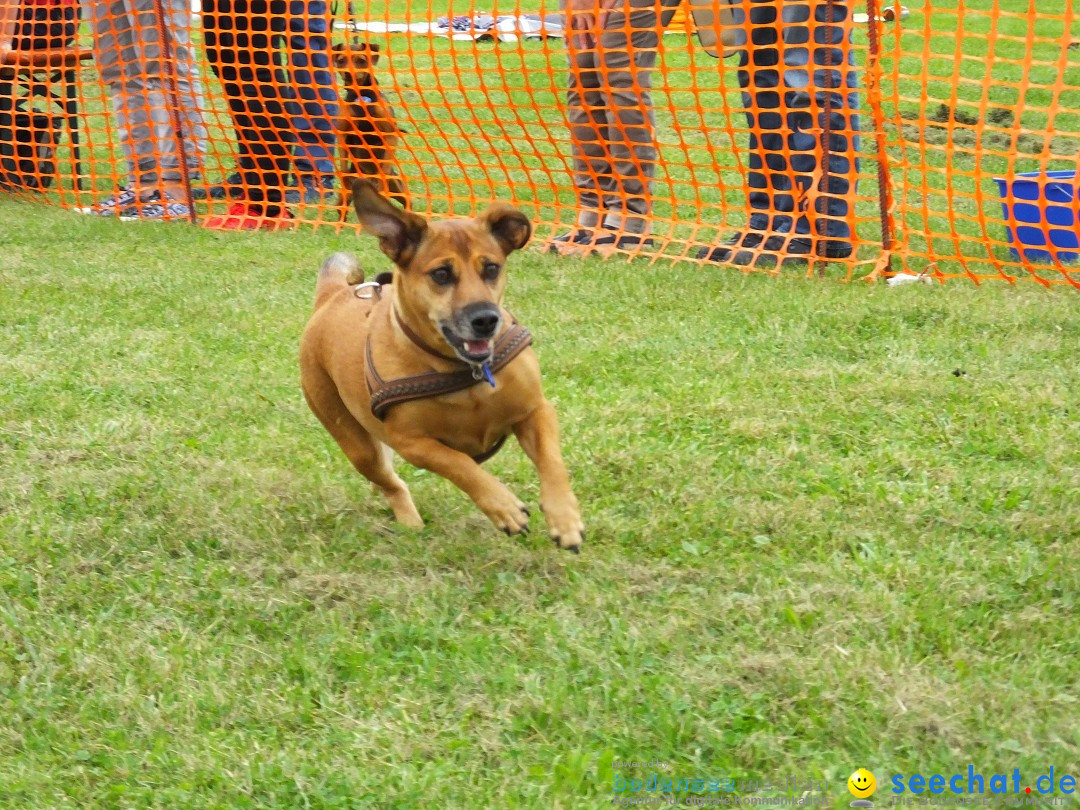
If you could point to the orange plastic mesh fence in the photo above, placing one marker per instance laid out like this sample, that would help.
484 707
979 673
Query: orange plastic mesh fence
939 139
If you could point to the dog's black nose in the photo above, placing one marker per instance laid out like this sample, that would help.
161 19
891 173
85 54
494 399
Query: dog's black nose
484 323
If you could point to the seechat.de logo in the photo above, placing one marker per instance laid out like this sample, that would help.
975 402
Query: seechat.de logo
976 783
862 785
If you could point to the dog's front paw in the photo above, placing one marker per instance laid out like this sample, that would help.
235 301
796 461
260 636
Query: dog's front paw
506 511
565 526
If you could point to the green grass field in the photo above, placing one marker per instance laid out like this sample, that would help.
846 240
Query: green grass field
829 526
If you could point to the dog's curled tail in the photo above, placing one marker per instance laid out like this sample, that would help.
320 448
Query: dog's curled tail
340 270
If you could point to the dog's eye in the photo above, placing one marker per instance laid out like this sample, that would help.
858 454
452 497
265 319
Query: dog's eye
490 271
443 276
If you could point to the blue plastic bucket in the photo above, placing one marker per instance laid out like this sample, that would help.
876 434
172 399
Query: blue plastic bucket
1050 211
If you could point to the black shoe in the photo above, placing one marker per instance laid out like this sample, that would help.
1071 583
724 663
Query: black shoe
232 187
292 193
631 241
830 249
312 191
835 249
578 236
626 241
729 251
594 239
752 247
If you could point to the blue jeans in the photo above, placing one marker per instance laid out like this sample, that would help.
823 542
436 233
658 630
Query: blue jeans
314 109
785 116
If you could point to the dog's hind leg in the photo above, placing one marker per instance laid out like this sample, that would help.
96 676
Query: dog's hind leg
370 457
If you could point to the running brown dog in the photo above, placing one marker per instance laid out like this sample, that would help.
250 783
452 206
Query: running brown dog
368 133
432 366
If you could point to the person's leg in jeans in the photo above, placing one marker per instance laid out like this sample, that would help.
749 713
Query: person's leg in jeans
609 110
240 38
129 58
157 151
220 38
631 140
315 105
836 84
114 49
782 221
586 114
189 91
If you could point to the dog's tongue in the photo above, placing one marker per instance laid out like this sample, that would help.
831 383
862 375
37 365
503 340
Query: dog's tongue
478 347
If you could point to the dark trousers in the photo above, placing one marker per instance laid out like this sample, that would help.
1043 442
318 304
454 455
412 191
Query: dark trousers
316 104
782 96
241 39
29 123
45 27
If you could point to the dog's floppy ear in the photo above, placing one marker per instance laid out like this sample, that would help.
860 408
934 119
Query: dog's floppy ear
511 228
373 53
399 231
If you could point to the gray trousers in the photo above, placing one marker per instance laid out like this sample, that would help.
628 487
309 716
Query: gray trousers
128 55
609 111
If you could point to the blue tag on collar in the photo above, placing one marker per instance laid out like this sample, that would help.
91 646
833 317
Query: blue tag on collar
487 374
368 96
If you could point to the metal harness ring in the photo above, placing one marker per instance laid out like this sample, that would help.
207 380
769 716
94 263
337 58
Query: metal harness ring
372 285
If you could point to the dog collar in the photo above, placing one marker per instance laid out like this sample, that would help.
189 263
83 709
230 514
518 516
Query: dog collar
387 393
480 371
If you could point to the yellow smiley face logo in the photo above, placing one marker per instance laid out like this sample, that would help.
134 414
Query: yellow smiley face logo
862 784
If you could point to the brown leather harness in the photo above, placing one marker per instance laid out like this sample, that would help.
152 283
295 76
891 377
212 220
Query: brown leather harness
387 393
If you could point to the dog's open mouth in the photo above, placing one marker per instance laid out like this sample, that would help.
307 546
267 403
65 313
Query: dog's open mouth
471 351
